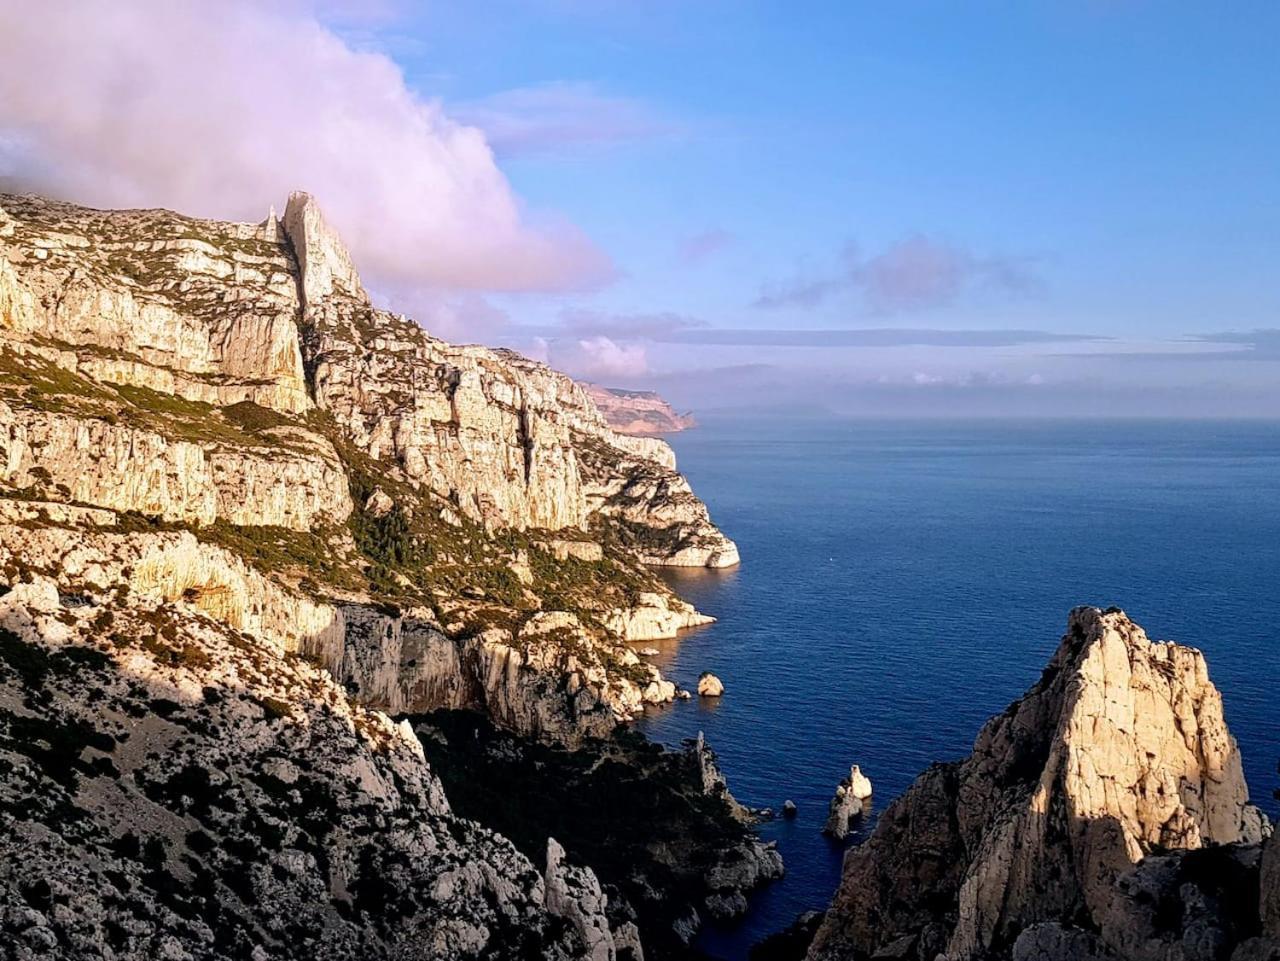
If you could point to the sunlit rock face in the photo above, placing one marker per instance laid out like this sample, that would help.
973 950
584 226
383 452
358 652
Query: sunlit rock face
232 385
275 313
640 413
1100 799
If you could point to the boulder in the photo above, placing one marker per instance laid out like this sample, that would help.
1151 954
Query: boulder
709 685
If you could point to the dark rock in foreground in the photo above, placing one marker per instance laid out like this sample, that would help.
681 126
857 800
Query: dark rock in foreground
668 843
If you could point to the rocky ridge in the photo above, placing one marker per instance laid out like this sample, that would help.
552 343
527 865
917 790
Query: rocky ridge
1104 815
233 381
641 413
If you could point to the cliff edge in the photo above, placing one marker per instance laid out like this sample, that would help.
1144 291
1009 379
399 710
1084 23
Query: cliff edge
641 413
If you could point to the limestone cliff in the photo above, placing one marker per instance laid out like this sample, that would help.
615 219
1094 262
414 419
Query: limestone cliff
464 521
219 313
1102 815
642 413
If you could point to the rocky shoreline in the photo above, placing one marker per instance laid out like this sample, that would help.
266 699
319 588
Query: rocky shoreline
670 845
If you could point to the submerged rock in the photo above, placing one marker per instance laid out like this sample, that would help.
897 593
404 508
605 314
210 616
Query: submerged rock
1103 814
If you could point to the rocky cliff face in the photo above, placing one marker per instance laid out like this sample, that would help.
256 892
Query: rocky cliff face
242 512
1103 815
275 314
468 525
641 413
173 788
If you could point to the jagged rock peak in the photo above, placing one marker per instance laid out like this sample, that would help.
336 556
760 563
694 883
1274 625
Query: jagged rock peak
1084 807
574 894
271 226
324 264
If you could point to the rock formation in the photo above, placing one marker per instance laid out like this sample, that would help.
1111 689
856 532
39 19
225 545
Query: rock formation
848 803
172 788
709 685
640 413
1103 815
241 512
464 522
574 894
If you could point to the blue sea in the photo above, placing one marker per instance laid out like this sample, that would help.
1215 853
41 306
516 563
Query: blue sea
903 581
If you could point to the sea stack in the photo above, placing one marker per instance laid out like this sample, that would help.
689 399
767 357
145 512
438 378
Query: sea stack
848 803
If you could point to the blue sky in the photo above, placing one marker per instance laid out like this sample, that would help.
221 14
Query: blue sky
1034 207
1123 158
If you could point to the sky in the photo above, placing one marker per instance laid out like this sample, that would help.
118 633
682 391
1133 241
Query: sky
892 209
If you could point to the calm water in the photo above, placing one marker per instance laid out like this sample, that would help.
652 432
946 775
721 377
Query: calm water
901 582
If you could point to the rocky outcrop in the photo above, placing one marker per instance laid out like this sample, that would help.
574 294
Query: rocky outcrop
401 661
1104 814
173 789
662 835
574 894
640 413
653 616
849 802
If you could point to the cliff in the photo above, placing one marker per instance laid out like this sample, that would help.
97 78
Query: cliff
243 513
638 412
469 528
1103 815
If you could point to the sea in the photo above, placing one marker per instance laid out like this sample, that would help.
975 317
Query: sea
903 581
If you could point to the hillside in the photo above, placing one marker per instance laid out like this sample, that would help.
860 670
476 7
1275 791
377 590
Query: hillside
244 515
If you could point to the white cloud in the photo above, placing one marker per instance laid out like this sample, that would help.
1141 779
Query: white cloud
222 109
599 358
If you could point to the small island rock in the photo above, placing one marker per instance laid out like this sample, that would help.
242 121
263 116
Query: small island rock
709 685
848 803
788 808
